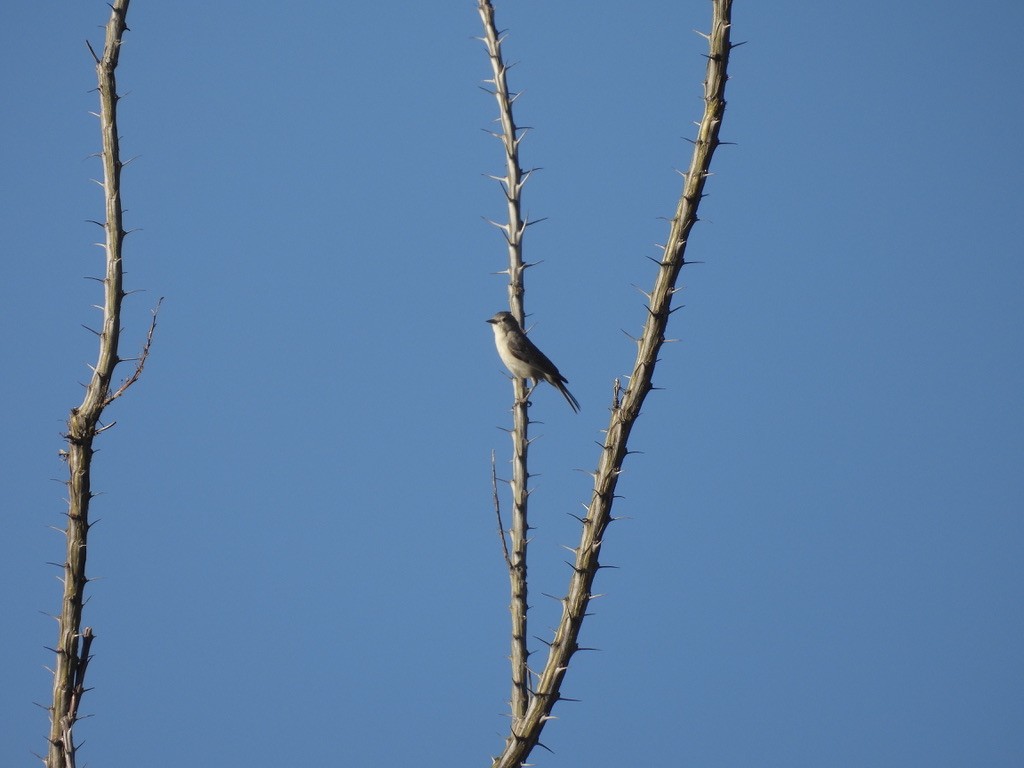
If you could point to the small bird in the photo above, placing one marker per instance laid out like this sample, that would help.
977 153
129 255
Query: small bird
523 359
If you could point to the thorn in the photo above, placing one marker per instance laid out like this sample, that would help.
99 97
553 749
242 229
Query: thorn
642 291
503 227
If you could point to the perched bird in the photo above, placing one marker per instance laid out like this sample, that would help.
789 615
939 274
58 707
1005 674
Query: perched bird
523 359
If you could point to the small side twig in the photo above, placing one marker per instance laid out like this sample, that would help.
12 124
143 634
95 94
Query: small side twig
497 512
140 362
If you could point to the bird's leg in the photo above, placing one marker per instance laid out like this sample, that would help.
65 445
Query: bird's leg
529 391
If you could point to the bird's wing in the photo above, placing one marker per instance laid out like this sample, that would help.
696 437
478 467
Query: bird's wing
523 349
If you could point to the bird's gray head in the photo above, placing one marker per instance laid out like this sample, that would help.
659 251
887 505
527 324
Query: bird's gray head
502 318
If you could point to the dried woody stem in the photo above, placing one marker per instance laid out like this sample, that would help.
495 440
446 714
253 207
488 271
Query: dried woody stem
512 184
526 730
497 511
73 644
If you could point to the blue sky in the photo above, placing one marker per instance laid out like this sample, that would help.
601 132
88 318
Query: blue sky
295 556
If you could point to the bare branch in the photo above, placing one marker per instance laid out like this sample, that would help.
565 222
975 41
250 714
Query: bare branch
73 645
512 183
626 406
497 512
140 362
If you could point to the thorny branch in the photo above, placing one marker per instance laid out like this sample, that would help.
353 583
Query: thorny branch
74 644
526 729
512 184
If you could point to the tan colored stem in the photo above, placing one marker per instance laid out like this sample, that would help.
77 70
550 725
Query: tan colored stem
526 730
83 425
512 184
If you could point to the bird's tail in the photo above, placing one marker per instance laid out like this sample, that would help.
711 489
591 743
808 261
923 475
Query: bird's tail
568 396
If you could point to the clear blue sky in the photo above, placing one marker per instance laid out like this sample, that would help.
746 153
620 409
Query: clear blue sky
296 555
